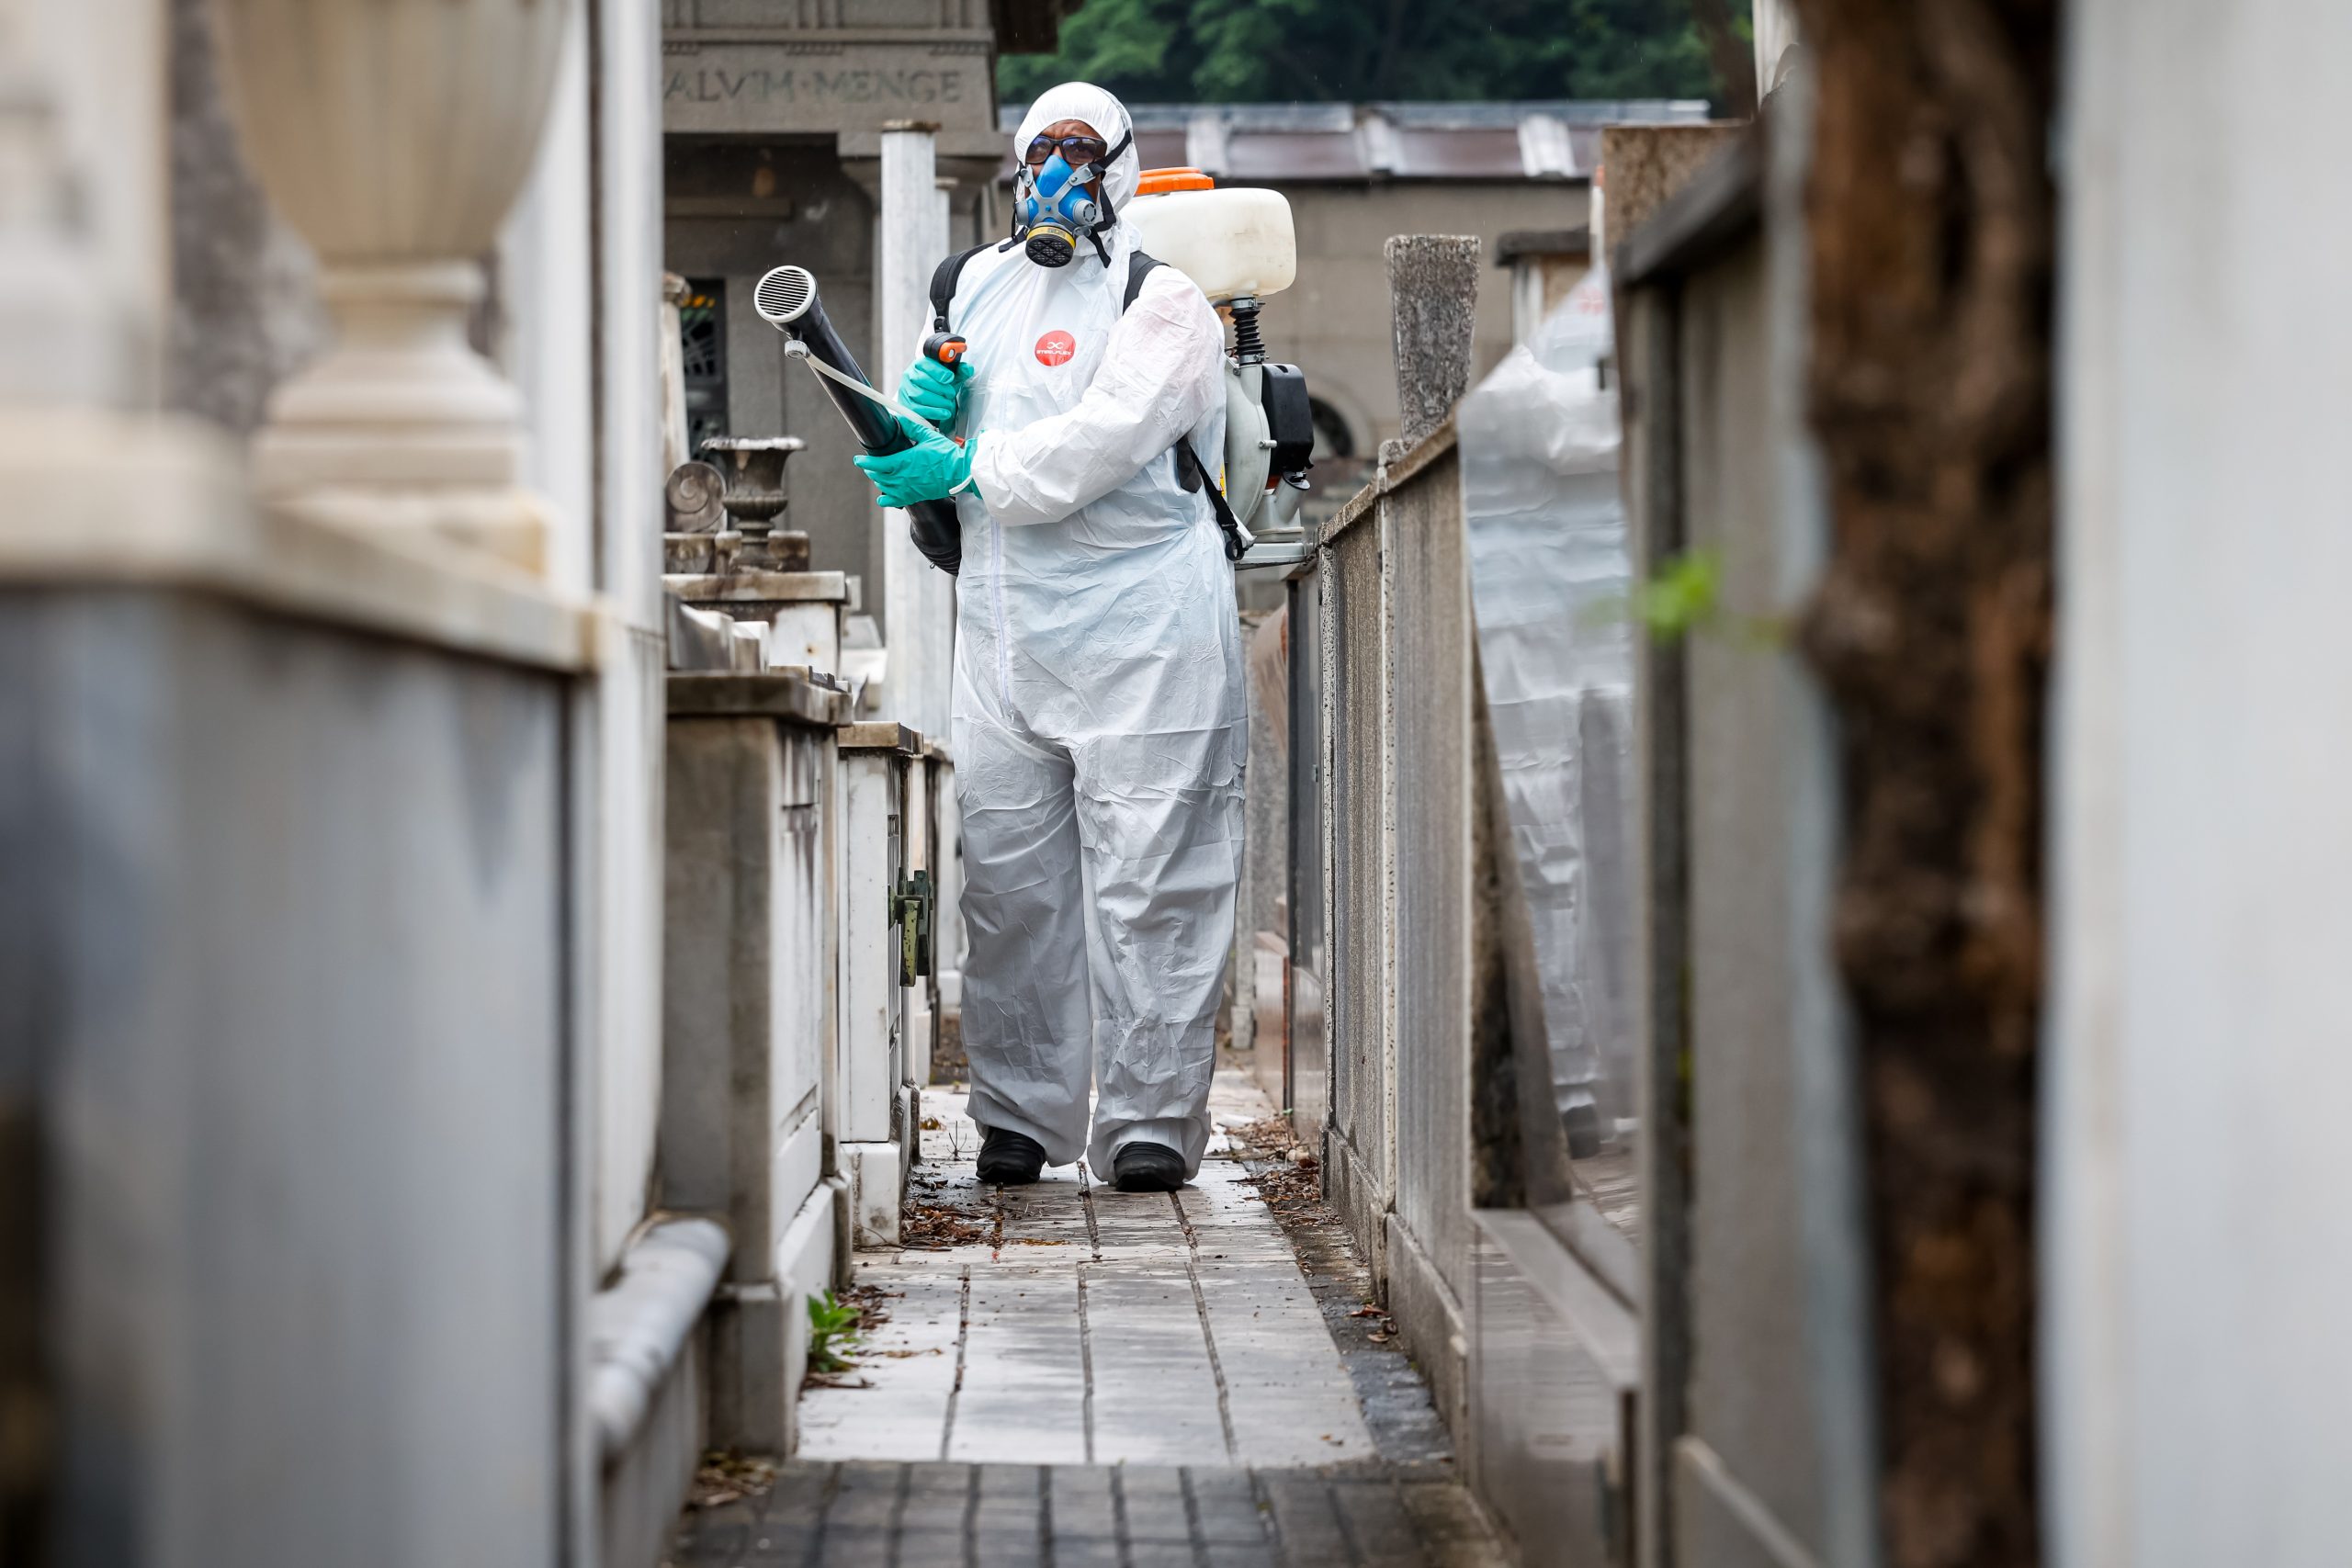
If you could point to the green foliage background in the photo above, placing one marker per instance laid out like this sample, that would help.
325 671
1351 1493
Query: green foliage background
1355 50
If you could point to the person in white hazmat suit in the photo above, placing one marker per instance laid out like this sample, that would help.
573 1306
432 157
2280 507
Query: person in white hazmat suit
1100 726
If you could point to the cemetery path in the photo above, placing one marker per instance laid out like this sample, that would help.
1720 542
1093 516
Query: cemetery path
1066 1375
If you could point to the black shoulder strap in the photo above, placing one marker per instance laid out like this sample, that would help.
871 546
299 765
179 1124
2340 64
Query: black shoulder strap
943 280
1237 543
1139 267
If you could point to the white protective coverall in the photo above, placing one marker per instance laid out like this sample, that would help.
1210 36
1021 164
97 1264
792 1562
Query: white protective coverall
1100 726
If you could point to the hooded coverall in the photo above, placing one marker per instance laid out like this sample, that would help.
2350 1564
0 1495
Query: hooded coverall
1100 727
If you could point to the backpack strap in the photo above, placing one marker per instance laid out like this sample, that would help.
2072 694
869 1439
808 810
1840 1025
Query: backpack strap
1237 539
1139 267
1191 471
944 279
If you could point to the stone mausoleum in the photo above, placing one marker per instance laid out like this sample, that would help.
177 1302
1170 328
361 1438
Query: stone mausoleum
773 113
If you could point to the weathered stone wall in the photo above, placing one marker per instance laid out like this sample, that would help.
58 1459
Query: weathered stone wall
290 898
245 302
1434 296
1644 165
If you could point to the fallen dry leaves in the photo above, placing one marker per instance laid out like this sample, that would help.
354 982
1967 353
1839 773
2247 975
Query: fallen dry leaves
933 1228
726 1476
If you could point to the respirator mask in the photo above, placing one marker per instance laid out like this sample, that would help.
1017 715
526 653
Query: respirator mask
1051 208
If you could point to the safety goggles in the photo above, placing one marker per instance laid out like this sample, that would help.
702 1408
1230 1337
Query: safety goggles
1077 151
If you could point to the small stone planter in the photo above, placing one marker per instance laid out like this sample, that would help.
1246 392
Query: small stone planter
753 466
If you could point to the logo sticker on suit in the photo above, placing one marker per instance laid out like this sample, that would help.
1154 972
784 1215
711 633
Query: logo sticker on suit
1056 348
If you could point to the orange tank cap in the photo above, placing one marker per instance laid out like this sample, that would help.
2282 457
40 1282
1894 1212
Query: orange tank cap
1158 182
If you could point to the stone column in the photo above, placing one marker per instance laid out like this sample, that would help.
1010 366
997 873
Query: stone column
918 599
672 350
394 139
1433 293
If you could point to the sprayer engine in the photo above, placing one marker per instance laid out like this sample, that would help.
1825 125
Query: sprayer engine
1238 245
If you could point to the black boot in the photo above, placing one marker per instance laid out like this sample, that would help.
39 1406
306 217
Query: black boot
1009 1159
1146 1167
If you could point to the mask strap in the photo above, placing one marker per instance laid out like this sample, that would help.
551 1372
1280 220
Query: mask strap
1101 168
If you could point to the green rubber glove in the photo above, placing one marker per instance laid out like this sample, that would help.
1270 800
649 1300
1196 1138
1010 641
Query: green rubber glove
932 469
935 390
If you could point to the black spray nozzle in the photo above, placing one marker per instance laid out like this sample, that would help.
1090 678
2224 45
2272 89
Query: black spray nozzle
786 300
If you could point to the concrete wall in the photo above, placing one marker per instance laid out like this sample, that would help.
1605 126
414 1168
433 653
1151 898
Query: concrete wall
1748 1288
1260 927
2198 1259
748 1020
1530 1354
576 319
1390 809
1430 1234
357 1107
1551 1357
291 895
625 461
1359 1165
1308 885
1757 1424
572 320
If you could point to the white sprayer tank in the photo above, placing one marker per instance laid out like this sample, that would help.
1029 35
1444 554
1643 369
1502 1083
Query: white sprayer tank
1230 241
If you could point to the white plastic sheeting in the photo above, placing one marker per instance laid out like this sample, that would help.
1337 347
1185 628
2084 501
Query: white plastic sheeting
1552 585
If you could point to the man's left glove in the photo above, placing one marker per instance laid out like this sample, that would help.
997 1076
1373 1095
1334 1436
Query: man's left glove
935 391
932 469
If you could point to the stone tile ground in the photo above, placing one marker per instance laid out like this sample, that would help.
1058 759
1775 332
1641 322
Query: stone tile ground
936 1515
1081 1376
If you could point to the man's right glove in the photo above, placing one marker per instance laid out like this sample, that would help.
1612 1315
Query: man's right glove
935 390
934 468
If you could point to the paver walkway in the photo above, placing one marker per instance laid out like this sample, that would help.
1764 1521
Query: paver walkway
1072 1375
1087 1326
1013 1516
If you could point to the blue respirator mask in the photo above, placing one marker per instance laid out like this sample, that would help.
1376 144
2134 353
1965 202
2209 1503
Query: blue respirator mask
1051 208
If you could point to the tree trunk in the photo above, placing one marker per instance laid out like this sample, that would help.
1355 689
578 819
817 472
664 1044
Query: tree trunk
1930 214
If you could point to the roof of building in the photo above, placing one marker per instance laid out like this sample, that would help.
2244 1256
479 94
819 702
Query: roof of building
1515 244
1308 143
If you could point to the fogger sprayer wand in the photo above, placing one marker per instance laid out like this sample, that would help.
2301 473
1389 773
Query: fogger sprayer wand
786 300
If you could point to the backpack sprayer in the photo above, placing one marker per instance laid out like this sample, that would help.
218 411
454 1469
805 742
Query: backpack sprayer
1237 244
786 300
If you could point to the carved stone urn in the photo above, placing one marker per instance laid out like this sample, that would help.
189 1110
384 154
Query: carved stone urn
394 135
